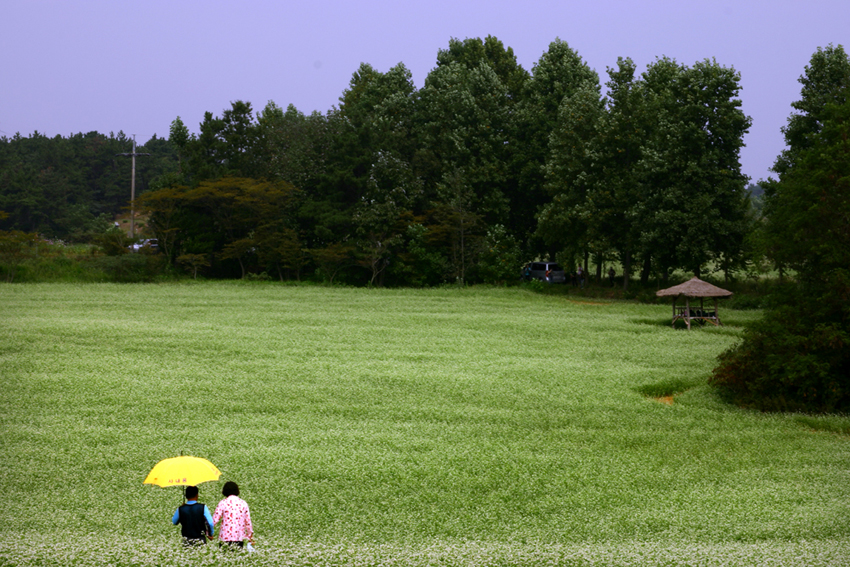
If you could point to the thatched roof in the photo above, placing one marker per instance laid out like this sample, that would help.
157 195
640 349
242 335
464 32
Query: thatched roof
694 287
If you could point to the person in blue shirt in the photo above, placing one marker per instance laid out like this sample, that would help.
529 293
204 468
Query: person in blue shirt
196 523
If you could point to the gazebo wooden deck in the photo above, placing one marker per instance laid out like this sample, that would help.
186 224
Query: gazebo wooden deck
694 288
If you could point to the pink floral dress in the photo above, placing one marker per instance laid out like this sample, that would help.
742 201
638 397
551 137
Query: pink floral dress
235 519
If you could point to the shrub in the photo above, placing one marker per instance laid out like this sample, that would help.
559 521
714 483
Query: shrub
796 359
741 301
261 277
130 268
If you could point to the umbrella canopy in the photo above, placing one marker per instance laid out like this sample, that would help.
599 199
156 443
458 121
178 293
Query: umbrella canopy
694 287
186 471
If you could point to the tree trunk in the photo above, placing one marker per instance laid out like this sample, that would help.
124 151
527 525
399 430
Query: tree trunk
645 269
598 269
627 266
586 262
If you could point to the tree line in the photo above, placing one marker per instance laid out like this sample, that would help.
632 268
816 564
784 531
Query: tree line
484 167
71 188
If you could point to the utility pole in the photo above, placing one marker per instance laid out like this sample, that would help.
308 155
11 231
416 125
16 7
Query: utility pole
133 154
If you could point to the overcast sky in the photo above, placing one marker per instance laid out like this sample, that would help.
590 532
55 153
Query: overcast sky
69 66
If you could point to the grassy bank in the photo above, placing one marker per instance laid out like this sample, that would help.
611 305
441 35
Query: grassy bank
446 426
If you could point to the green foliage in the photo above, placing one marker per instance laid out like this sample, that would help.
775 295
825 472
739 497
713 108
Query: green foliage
536 286
16 247
384 212
798 357
225 146
281 251
648 175
565 222
472 52
655 173
795 359
246 220
333 259
500 258
745 301
825 82
556 76
193 263
60 187
113 242
421 263
468 115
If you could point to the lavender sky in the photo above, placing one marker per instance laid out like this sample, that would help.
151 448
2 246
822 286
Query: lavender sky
69 66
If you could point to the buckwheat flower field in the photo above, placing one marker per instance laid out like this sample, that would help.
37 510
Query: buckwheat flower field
468 427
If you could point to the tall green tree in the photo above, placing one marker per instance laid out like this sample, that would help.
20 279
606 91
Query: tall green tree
798 357
321 156
566 222
458 226
225 145
695 194
379 107
179 137
384 212
465 130
597 197
657 173
558 75
471 52
294 147
824 82
466 119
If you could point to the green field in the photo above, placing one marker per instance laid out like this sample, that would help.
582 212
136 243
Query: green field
478 426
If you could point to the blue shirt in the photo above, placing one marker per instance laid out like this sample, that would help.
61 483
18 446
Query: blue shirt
207 516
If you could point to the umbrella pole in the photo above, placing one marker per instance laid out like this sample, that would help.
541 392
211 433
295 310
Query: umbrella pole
184 486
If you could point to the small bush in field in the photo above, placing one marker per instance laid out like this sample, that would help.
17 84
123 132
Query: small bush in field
796 359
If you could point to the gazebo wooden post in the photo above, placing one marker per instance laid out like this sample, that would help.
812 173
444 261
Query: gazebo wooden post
716 312
688 311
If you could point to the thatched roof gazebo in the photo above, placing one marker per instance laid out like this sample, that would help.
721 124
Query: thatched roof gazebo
694 288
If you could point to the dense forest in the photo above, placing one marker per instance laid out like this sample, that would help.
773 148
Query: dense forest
483 168
70 188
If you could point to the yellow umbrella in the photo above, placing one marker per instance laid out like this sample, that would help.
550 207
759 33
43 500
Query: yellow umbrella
186 471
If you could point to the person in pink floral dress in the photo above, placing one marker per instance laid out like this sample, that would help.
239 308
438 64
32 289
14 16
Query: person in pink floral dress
235 517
